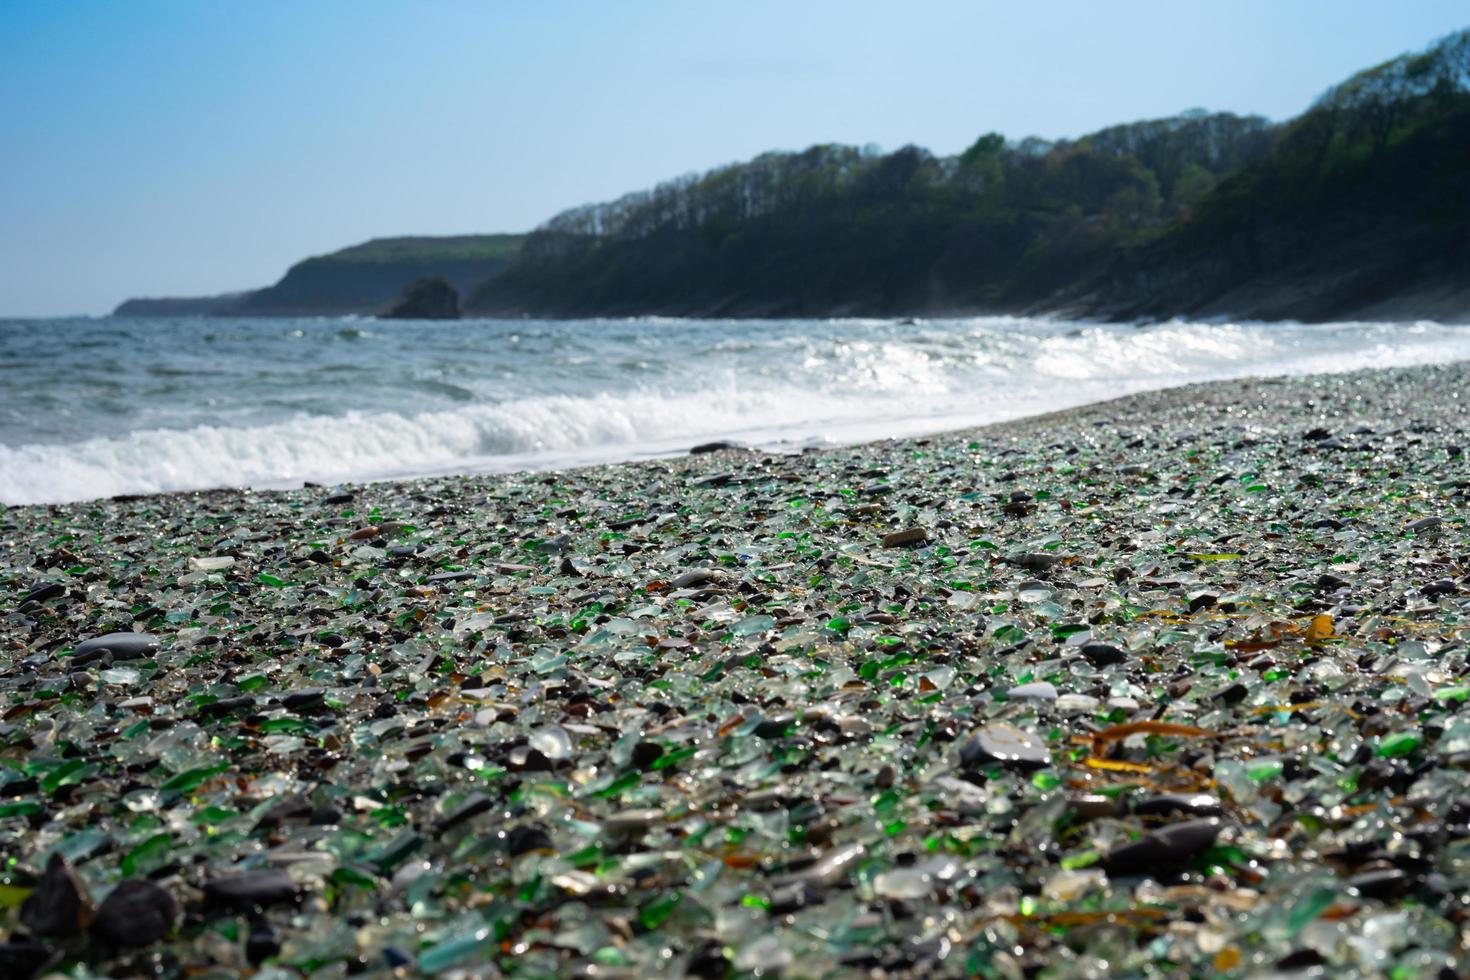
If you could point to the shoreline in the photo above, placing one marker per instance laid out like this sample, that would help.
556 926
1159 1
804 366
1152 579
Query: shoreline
1202 392
1172 681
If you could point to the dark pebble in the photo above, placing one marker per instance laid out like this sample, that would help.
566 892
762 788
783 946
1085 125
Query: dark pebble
56 906
122 646
646 754
136 913
43 593
1164 849
1173 804
1103 654
250 890
338 498
522 840
263 943
309 699
1301 959
1202 601
720 445
1234 694
22 959
1389 883
1038 561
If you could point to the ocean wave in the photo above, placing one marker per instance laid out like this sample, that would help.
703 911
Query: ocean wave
781 383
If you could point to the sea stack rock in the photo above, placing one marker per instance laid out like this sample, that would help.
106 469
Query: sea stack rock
429 298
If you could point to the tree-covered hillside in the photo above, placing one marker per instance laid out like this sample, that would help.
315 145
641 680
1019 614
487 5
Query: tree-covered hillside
1356 207
837 229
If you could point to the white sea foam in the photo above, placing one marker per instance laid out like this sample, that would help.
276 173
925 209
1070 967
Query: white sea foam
665 385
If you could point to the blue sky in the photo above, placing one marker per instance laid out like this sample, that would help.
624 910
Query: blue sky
197 146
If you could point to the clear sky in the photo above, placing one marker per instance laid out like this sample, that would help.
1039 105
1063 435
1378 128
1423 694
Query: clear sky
198 146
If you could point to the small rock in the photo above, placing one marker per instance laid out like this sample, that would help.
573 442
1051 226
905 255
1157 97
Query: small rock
43 593
1005 744
1438 588
250 890
523 840
122 646
1387 883
1164 849
263 942
1173 804
720 445
22 958
136 913
693 577
58 906
1035 691
905 538
1204 600
1103 654
308 699
1036 561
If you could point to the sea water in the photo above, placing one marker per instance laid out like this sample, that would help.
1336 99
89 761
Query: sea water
97 407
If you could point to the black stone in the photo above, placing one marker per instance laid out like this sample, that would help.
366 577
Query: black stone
135 913
1164 849
1389 883
714 447
1103 654
646 754
22 959
521 840
263 942
56 905
250 890
310 699
1234 694
122 646
1173 804
43 593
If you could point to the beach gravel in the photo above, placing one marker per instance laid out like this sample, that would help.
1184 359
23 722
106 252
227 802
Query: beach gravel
1170 685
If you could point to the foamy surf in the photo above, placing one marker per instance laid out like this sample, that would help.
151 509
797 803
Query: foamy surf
168 405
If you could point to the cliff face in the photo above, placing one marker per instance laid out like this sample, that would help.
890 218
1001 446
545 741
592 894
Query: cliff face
365 279
368 278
